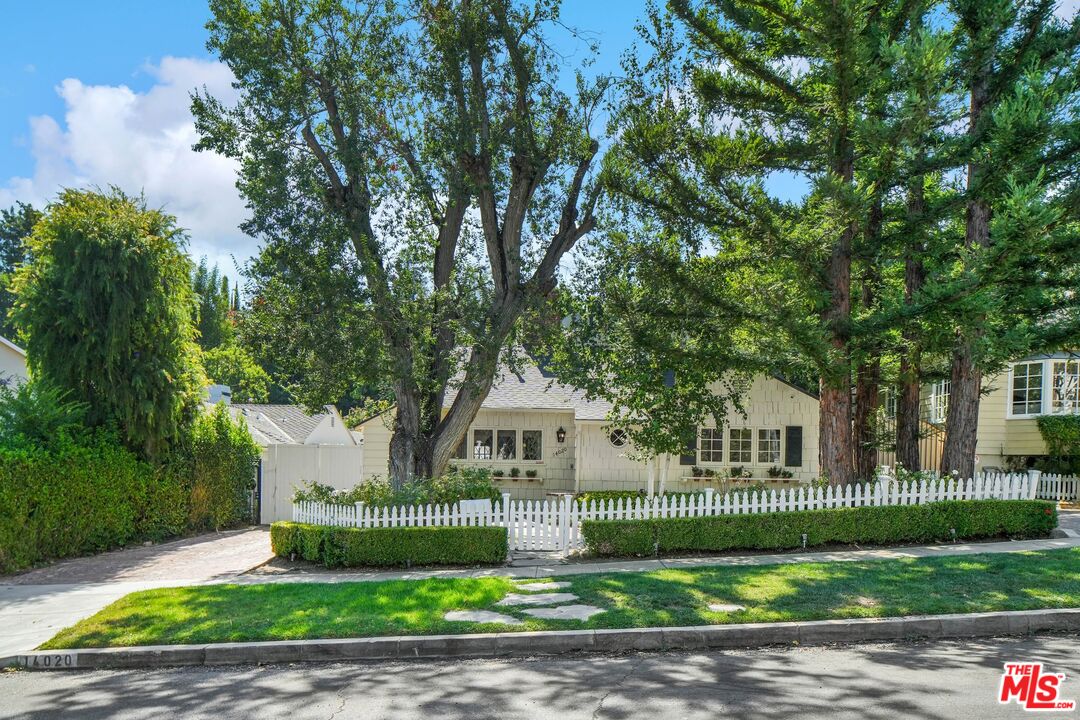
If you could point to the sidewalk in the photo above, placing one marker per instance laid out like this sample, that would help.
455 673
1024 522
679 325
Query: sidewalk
31 614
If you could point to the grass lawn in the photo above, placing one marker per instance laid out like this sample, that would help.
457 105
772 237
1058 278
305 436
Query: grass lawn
770 593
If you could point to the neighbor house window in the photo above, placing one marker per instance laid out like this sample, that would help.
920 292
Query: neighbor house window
939 401
888 402
507 445
1065 393
742 445
531 443
460 452
711 445
482 444
1027 389
768 446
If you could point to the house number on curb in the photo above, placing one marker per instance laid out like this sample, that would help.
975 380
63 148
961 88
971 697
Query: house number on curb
49 662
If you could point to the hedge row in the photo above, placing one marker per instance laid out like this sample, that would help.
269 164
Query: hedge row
883 525
366 547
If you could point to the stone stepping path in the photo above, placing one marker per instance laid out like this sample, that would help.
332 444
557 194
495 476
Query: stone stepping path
481 616
540 586
725 607
537 599
565 612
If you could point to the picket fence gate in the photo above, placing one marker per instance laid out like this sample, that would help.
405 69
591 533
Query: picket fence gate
1056 487
555 524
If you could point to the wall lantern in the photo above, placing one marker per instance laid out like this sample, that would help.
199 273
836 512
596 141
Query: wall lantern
560 435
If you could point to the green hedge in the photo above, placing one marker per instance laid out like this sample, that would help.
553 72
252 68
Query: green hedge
780 531
361 547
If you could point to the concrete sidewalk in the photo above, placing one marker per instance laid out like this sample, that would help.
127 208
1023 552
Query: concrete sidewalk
31 614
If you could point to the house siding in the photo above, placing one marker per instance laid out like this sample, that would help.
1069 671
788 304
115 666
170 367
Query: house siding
12 363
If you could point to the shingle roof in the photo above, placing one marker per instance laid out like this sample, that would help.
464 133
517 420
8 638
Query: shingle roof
280 424
527 387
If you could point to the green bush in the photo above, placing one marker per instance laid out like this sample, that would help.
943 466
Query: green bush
780 531
591 496
458 483
376 547
1061 433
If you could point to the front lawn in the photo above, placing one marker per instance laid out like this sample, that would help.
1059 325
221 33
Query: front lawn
770 593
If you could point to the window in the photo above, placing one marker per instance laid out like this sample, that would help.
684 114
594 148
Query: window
768 446
939 401
531 443
460 450
507 445
618 437
742 445
888 402
711 445
1027 389
1065 390
482 444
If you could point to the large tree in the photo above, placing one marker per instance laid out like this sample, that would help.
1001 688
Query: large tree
432 145
104 309
215 306
1018 67
16 224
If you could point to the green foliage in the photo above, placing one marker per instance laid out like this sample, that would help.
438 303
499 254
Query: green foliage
883 525
459 483
218 460
104 306
77 499
232 365
215 311
591 496
36 414
1061 433
16 224
378 547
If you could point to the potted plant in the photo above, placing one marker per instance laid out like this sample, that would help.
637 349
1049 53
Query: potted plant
515 473
531 474
497 473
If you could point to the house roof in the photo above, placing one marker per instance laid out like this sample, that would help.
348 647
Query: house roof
7 343
278 424
528 387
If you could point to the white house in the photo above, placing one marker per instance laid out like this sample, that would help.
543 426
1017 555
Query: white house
532 424
12 361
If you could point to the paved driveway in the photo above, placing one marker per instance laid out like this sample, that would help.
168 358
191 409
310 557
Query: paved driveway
35 605
1069 518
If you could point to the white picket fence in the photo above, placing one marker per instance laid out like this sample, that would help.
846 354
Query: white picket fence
1056 487
555 524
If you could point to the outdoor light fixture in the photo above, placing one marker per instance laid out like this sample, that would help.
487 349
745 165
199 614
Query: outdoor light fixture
560 435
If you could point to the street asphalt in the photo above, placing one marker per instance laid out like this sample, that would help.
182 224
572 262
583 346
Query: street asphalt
939 679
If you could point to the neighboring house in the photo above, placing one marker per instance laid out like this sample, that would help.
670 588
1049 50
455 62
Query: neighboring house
299 448
531 422
12 361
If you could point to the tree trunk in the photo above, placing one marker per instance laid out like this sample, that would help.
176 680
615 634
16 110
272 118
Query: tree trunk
868 373
908 389
962 420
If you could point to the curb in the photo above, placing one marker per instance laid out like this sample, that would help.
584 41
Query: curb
530 644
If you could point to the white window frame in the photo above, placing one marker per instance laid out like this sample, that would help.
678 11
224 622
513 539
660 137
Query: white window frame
472 447
759 442
731 446
939 400
1009 414
1071 406
521 444
716 435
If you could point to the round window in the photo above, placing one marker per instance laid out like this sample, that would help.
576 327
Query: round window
618 437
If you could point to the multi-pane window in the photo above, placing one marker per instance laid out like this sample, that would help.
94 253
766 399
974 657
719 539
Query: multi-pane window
711 445
531 444
939 401
507 445
482 444
1027 388
888 402
741 445
768 448
460 450
1065 393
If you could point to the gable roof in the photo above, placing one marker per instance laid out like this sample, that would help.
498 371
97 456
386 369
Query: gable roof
7 343
279 424
529 387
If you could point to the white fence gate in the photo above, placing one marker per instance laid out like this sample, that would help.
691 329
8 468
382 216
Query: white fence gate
1056 487
555 524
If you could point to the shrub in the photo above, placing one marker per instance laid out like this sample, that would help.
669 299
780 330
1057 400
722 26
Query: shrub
457 484
1061 433
361 547
778 531
38 414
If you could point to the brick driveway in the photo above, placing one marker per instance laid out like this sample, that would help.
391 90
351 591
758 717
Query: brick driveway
203 557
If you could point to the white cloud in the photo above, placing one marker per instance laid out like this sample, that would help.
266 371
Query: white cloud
141 141
1067 9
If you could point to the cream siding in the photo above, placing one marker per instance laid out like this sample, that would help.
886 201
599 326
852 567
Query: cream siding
990 445
12 363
